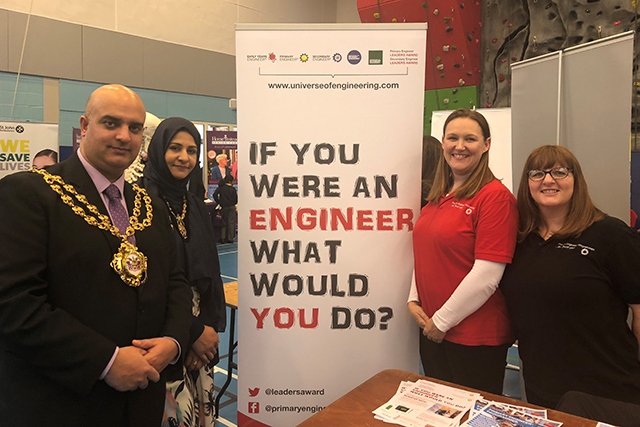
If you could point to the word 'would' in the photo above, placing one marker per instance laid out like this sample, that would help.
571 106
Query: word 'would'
294 285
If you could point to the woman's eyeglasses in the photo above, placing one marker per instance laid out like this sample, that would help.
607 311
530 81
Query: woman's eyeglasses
556 173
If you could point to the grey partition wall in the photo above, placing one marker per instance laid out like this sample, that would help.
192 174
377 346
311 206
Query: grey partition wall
534 96
580 98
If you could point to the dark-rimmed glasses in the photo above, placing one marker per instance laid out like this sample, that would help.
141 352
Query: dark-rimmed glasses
556 173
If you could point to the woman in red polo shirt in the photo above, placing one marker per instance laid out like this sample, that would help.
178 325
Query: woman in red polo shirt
462 241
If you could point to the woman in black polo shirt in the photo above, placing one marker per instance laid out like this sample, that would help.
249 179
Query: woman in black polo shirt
575 275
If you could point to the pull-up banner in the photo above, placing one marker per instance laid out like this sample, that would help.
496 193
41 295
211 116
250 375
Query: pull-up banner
330 121
21 141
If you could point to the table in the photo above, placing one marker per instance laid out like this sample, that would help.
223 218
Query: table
231 294
231 298
355 408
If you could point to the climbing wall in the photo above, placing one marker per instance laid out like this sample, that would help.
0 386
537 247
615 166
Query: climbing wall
472 44
516 30
453 46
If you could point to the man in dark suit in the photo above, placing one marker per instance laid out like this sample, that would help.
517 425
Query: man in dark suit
91 312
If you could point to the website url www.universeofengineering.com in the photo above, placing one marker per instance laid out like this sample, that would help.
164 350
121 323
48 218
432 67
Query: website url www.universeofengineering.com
333 86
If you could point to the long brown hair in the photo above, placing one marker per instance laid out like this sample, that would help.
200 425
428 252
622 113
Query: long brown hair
481 175
431 155
582 211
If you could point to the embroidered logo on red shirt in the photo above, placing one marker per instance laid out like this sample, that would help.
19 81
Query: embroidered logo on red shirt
467 209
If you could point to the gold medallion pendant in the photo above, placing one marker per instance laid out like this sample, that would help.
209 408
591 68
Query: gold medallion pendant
182 227
130 264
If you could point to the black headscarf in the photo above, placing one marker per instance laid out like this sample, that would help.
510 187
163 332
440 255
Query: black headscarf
201 262
156 169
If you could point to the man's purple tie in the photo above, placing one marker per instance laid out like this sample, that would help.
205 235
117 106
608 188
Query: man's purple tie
119 215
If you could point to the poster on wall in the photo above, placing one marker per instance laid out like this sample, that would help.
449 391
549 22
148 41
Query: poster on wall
329 144
220 142
20 142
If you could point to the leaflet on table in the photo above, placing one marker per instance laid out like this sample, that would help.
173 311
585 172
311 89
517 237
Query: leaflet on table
401 388
497 415
481 403
425 402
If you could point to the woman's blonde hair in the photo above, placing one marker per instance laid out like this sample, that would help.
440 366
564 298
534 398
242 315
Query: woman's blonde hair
582 211
480 176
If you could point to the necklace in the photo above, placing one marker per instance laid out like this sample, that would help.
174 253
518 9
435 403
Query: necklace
182 227
129 263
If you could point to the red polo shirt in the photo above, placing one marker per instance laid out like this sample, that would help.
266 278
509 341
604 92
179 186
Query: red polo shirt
447 239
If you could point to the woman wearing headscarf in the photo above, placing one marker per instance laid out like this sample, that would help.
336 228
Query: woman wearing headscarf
172 174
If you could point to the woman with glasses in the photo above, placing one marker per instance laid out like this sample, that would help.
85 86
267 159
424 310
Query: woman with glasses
463 239
569 290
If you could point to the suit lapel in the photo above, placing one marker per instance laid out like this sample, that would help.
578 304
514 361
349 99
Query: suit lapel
141 236
74 173
129 195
